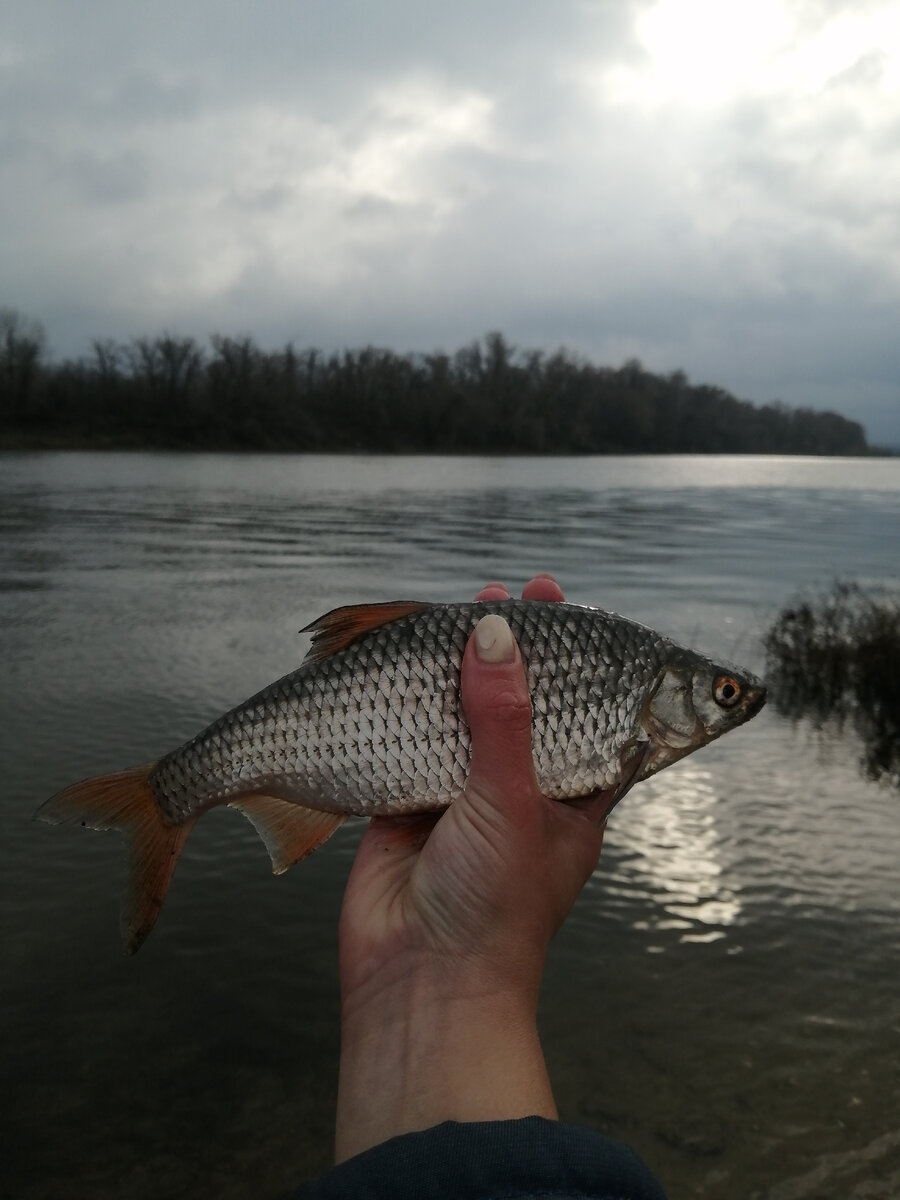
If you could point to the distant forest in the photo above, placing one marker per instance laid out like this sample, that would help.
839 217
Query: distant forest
488 397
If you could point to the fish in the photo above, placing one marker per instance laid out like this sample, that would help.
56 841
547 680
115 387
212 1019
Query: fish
370 723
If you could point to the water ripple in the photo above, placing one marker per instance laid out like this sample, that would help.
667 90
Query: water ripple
724 995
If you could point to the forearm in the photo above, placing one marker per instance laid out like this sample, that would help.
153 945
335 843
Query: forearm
417 1055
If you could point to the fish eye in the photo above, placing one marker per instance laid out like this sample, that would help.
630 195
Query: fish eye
727 691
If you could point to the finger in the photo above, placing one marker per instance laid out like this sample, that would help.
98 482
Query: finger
493 591
542 587
389 848
594 808
393 833
497 707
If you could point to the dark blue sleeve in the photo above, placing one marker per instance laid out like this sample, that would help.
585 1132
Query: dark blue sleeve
500 1160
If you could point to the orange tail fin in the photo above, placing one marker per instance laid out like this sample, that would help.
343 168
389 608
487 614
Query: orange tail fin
125 802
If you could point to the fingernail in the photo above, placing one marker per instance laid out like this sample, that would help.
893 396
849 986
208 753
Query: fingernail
494 640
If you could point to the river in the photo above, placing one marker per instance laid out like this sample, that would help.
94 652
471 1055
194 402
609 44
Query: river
725 994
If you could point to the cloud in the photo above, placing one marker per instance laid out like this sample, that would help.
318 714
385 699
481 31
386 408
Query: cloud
703 185
105 179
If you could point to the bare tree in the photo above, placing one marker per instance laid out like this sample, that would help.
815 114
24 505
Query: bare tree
168 366
22 344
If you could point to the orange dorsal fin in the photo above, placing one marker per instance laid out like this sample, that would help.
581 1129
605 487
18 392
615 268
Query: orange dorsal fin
125 801
290 831
338 628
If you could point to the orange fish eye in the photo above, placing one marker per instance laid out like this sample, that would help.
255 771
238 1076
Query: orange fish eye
727 691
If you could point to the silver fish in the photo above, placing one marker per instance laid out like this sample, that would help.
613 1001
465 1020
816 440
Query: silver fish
370 723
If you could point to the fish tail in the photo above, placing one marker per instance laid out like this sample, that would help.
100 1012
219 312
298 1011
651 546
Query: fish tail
125 801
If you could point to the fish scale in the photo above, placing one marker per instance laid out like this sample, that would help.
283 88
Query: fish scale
370 724
362 748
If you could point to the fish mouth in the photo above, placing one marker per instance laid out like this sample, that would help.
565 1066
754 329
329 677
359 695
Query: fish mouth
755 699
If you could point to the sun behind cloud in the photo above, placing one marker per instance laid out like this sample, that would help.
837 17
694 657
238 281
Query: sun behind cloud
708 53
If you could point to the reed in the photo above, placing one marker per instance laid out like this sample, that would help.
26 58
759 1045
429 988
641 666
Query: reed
836 658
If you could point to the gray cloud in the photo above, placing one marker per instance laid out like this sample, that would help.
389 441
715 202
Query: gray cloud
414 176
107 178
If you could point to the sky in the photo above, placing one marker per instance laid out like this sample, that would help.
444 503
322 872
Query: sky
706 185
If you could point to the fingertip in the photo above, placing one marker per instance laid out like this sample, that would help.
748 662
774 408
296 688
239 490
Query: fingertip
497 707
494 642
489 683
542 587
400 833
493 591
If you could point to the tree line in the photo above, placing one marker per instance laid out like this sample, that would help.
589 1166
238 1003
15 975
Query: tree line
487 397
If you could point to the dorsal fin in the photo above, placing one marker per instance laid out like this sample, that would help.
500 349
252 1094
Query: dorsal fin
338 628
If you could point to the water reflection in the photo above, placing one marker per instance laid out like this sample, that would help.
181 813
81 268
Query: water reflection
143 594
668 854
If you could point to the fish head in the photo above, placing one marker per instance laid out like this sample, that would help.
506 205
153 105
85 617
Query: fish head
695 701
725 697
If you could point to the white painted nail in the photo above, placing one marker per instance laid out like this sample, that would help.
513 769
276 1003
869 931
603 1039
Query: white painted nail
494 640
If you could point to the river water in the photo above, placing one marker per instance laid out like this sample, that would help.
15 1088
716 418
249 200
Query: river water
725 996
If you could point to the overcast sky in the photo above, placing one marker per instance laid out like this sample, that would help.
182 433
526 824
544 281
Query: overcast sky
705 184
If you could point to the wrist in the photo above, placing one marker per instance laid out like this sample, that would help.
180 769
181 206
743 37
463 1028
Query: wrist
433 1045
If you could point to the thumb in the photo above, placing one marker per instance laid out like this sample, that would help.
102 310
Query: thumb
497 707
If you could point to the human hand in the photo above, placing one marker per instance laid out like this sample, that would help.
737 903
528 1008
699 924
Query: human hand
447 919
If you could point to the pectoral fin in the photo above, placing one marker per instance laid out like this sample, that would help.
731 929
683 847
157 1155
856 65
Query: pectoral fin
634 761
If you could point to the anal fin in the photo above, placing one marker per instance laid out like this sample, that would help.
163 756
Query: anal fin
290 831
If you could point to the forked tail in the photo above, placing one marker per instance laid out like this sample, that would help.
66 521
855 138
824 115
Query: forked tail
124 801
